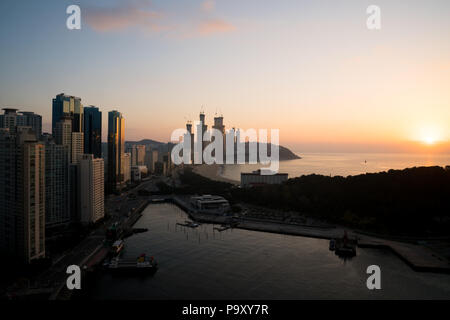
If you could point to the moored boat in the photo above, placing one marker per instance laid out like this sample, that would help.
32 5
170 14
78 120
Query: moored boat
141 265
345 247
332 244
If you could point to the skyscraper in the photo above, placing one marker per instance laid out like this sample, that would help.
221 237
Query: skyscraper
65 136
8 181
64 105
155 157
62 132
30 119
126 167
137 155
22 180
57 184
203 128
11 119
218 125
77 146
116 149
93 131
91 189
190 136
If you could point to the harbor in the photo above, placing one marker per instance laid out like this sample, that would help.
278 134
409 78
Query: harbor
202 263
418 257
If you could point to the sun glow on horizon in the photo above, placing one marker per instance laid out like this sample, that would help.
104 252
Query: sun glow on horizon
429 140
429 135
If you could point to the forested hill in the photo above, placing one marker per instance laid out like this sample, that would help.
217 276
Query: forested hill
285 153
410 201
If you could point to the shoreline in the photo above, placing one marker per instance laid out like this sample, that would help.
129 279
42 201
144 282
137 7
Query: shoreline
420 258
212 172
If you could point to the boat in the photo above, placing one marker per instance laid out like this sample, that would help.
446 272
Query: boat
223 227
345 247
332 245
141 265
192 224
189 224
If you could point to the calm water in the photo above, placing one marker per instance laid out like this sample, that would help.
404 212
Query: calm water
344 164
239 264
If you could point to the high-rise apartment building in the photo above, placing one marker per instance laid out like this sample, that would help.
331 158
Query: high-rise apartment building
62 132
77 146
30 119
91 188
137 155
57 183
126 167
11 119
8 181
155 158
22 180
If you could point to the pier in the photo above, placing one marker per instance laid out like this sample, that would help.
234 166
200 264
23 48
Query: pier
418 257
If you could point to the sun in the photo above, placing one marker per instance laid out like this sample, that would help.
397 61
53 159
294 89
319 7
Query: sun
429 135
429 140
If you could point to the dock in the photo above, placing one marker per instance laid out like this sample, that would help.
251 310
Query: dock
418 257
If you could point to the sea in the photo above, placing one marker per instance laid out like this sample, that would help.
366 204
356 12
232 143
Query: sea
202 263
342 164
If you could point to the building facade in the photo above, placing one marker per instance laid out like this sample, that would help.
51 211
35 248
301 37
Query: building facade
63 133
57 184
11 119
91 189
22 213
126 167
93 131
77 146
66 105
116 150
255 178
137 155
30 119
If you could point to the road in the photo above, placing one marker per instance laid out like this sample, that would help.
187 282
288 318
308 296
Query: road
117 207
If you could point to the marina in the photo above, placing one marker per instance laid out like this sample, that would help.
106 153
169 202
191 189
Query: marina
201 263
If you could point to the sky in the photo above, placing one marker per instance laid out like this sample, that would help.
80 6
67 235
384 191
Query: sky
311 68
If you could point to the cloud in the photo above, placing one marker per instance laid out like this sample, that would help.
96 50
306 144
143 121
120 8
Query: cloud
208 5
212 26
138 15
121 18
